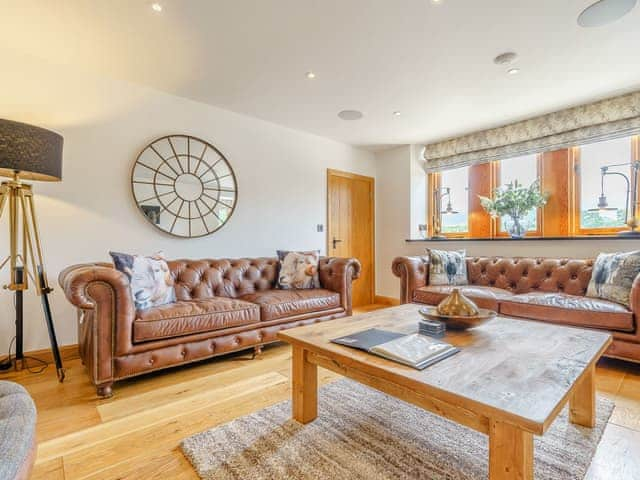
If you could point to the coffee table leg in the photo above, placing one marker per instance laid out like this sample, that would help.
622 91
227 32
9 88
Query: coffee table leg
582 403
510 452
305 387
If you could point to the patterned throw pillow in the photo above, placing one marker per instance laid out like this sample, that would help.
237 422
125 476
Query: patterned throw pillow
298 270
447 267
613 275
149 278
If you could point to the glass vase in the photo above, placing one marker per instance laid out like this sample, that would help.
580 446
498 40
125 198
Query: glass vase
515 227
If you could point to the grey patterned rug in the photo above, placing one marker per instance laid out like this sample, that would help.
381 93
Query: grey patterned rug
361 433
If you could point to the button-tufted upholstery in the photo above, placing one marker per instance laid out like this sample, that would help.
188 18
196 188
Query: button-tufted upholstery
222 305
545 289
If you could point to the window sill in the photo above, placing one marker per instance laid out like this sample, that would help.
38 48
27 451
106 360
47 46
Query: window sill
526 239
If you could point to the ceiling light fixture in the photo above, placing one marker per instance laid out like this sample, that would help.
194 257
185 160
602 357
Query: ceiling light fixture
350 115
604 12
156 7
513 71
505 58
310 75
436 2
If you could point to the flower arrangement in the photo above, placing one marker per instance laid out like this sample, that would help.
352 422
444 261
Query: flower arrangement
516 201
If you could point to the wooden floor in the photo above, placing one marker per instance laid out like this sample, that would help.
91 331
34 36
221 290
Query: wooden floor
135 434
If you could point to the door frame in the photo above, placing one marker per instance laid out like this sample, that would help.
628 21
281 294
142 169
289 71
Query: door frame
372 202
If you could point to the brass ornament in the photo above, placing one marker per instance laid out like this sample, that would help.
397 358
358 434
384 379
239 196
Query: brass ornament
457 305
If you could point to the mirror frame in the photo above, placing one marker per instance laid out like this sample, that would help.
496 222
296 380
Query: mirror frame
200 159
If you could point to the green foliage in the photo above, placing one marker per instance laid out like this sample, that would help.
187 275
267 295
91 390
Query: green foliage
595 220
514 200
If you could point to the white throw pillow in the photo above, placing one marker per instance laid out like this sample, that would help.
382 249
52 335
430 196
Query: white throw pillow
613 275
447 267
298 270
150 280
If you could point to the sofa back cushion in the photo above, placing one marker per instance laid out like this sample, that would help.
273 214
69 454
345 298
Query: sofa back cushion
524 274
199 279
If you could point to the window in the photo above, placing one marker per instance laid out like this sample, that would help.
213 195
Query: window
524 171
451 189
571 177
454 187
602 201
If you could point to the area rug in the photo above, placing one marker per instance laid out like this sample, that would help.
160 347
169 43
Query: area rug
361 433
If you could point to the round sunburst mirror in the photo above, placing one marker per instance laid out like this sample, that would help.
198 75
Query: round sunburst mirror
184 186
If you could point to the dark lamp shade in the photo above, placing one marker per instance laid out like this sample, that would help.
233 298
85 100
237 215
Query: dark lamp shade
34 152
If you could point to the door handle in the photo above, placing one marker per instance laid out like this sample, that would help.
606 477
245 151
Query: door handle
335 242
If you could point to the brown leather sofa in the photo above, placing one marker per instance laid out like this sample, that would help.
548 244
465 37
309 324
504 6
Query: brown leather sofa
545 289
222 306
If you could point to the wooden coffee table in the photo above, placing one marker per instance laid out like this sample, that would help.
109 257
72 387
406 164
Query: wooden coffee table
510 380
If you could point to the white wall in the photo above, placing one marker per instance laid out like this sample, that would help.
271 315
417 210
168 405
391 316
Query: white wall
397 169
105 123
393 218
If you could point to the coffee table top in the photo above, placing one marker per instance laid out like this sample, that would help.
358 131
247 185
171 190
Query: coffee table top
518 371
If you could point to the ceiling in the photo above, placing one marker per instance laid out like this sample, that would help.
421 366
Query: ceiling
432 62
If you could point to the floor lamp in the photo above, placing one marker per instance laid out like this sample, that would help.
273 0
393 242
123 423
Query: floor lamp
27 153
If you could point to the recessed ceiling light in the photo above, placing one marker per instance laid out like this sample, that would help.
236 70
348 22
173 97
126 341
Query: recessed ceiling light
397 113
350 115
156 7
310 75
604 12
513 71
505 58
436 2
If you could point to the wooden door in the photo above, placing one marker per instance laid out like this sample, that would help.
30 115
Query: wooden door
350 227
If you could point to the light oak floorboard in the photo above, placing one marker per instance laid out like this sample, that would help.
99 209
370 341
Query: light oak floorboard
136 434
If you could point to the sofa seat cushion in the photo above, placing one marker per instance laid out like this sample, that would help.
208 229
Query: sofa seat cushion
193 316
569 309
276 304
484 297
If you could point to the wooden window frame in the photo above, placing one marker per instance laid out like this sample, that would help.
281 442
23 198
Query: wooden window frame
575 182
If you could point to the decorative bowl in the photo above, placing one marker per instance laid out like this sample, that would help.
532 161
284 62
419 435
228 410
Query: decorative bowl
458 322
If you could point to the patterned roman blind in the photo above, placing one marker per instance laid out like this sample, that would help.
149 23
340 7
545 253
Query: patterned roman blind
606 119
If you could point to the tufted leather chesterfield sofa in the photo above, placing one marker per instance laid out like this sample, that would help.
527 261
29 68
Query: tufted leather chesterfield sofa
544 289
222 306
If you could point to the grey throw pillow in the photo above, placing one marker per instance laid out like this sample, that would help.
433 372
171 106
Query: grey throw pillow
150 280
613 275
447 267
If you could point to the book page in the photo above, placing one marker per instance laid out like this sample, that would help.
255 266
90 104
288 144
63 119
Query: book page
413 349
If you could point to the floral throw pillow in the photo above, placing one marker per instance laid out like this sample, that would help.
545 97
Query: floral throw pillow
613 275
298 270
447 267
150 281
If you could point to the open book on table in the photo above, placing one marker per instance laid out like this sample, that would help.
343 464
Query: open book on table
415 350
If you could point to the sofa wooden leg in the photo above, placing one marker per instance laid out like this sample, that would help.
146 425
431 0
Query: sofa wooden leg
257 351
105 390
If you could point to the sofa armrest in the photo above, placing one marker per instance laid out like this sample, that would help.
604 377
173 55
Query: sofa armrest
337 274
102 294
413 273
634 299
